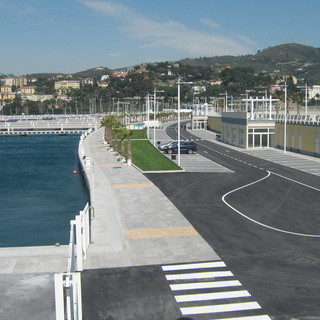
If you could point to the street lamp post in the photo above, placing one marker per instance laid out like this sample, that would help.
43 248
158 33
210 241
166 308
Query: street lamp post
285 119
179 83
154 113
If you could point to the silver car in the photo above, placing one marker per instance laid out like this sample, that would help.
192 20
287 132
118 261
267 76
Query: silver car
164 146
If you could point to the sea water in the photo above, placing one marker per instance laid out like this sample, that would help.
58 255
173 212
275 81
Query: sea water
39 193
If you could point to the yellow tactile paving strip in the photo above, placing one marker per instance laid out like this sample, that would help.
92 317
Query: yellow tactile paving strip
160 233
108 164
134 185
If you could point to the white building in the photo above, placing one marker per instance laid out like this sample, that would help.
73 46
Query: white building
314 92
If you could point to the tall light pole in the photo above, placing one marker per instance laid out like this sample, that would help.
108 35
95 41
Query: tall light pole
179 121
179 83
285 119
154 113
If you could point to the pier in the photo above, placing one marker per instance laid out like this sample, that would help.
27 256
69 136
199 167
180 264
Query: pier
47 124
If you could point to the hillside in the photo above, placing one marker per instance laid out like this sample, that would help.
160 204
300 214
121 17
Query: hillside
95 73
286 59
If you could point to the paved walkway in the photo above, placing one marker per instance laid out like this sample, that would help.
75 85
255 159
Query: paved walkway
135 224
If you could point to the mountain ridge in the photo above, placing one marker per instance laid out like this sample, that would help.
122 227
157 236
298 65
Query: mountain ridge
294 59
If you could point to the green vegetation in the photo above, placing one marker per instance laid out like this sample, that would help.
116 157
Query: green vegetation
148 158
135 146
139 134
211 77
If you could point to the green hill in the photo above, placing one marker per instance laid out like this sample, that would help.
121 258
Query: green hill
287 59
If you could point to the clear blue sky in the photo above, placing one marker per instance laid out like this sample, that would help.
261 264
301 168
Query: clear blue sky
73 35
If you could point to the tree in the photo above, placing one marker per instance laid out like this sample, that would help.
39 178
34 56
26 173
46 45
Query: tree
109 123
129 150
297 99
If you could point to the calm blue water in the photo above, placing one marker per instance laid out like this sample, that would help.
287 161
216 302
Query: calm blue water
39 194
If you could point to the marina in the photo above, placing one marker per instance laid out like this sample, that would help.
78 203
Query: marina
44 124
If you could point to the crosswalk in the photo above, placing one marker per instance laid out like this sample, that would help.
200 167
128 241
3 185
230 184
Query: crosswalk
208 290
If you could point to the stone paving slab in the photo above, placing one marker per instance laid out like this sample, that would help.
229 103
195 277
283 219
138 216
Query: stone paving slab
136 206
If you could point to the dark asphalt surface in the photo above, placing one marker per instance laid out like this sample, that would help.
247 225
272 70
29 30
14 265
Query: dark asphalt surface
128 293
280 270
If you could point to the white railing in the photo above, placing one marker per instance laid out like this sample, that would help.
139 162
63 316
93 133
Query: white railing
68 296
79 240
313 119
68 285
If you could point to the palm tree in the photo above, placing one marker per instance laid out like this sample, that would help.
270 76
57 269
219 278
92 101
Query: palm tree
297 99
121 133
110 123
129 150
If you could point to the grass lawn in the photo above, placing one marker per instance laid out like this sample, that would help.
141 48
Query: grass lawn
139 134
146 157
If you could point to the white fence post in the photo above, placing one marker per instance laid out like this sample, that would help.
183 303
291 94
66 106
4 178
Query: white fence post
68 297
59 296
79 245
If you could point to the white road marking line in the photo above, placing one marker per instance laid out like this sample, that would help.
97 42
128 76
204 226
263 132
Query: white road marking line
212 296
262 317
200 275
221 308
205 285
215 264
262 224
295 181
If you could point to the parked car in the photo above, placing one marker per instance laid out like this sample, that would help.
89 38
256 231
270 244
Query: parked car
185 146
163 146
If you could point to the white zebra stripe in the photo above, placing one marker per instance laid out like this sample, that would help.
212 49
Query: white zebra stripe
262 317
220 308
202 265
200 275
205 285
212 296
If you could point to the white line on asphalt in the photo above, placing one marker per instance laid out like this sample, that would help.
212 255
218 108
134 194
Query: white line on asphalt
212 296
199 275
205 285
203 265
262 317
295 181
262 224
220 308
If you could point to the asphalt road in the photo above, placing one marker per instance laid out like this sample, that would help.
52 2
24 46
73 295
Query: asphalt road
267 231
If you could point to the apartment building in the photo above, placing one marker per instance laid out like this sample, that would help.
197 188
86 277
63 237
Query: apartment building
28 90
16 81
314 92
66 85
6 88
5 96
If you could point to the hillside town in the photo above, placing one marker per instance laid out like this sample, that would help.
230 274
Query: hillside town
65 93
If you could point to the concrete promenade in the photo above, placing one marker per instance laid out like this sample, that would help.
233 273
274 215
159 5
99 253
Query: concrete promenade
134 223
